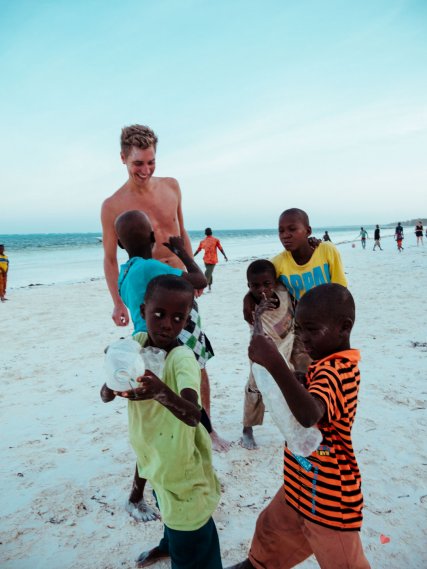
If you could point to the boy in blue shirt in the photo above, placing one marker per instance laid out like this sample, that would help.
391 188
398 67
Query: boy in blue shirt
136 235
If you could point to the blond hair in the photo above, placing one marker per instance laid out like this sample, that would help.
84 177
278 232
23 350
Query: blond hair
137 135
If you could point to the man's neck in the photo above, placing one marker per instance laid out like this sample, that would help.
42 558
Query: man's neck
139 188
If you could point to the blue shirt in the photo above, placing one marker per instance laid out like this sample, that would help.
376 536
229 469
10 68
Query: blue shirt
133 281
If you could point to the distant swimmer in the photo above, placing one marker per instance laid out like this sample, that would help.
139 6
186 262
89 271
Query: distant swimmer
419 232
363 236
4 268
326 237
210 244
377 238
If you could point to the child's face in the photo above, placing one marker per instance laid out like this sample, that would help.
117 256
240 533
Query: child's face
261 283
293 232
166 314
321 336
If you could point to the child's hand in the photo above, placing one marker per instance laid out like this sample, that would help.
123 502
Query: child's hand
107 394
176 245
262 349
314 242
149 387
265 305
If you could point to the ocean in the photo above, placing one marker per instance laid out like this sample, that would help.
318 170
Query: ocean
49 258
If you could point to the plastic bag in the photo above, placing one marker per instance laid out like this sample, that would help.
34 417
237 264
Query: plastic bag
123 364
300 441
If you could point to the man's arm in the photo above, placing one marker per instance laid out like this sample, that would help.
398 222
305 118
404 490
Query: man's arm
111 270
223 252
182 230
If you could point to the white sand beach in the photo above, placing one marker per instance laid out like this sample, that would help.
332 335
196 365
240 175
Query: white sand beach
67 465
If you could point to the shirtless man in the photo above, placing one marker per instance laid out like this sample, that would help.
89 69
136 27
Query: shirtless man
160 199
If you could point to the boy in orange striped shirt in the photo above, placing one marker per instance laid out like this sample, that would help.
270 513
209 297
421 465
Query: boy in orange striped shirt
319 508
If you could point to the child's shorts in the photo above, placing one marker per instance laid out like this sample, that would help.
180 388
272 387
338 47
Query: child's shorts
189 549
253 406
283 538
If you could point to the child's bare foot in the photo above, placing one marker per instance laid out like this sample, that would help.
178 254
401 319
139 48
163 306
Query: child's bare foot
141 511
147 558
247 441
219 444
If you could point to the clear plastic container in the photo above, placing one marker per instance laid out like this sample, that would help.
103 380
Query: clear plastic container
123 364
300 441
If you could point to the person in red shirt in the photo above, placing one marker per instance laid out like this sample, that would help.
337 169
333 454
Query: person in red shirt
210 244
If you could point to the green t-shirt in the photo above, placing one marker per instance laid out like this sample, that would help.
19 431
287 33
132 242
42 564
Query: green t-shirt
175 458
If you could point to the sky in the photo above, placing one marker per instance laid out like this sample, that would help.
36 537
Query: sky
258 106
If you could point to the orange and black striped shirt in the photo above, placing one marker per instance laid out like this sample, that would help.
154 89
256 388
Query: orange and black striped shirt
325 487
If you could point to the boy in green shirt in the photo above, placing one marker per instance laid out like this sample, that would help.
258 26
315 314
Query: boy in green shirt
173 449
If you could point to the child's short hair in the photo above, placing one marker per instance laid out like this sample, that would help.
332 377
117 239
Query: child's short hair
169 283
296 211
208 231
261 266
330 301
137 135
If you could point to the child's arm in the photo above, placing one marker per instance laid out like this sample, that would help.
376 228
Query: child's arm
183 406
249 306
306 408
194 275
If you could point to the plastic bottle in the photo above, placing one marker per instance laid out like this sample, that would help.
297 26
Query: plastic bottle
300 441
123 364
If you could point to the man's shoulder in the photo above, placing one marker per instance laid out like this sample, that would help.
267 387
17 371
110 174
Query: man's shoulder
166 182
112 203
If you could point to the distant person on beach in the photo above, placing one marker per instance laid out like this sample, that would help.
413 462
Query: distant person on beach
136 235
210 244
419 232
278 325
326 237
363 236
318 510
173 449
377 238
4 268
160 199
398 235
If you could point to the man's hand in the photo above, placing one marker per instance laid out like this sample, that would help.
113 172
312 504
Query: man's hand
176 245
120 315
